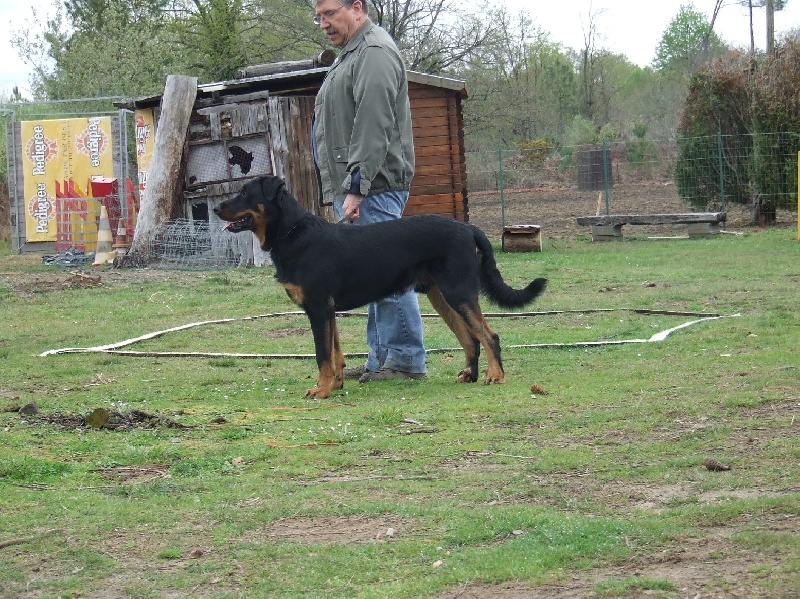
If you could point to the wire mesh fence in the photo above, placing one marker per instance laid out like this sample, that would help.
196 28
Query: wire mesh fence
186 244
539 182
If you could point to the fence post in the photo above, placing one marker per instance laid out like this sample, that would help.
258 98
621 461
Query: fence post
502 189
605 176
721 175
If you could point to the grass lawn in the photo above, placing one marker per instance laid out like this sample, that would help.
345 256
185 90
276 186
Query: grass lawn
214 477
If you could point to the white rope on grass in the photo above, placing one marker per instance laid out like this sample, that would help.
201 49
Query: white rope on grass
114 348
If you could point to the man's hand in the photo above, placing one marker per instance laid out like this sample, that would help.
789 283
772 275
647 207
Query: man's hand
352 202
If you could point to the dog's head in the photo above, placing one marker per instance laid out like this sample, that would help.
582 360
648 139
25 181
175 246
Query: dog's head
255 208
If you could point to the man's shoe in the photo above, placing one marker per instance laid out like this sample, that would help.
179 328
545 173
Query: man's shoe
352 374
388 374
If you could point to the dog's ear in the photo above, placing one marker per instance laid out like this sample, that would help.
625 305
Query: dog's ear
271 186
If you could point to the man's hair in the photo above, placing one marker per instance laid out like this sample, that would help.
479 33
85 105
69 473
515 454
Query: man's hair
363 3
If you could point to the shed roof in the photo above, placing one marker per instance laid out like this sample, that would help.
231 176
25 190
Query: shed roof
288 82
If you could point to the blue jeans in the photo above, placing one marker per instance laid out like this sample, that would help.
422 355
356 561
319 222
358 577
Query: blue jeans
394 324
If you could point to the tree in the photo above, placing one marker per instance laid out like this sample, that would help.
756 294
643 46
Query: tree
688 41
716 110
771 7
775 114
756 109
121 51
432 35
522 86
96 15
212 31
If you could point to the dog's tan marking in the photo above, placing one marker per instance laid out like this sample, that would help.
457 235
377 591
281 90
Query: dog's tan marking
295 293
462 332
260 224
490 341
331 369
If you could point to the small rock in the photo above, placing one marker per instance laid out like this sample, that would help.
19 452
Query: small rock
98 418
437 564
29 409
714 465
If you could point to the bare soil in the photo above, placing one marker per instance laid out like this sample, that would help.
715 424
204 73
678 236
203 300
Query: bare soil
556 209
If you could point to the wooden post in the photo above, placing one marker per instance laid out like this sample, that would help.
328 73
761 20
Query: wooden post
164 186
323 59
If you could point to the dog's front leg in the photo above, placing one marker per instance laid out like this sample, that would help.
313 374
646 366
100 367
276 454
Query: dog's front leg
330 359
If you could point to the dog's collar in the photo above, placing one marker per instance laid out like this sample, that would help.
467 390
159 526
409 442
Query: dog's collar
290 231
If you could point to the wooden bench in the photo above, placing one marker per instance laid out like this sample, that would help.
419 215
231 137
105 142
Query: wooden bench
608 227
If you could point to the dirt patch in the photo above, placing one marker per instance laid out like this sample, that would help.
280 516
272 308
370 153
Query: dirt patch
291 332
345 530
556 210
62 279
137 473
112 421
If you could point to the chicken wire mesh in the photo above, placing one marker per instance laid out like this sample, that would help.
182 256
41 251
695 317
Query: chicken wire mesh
187 244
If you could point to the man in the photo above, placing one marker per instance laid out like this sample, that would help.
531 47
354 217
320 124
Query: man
365 154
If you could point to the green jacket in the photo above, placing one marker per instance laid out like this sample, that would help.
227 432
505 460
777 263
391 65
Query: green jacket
363 118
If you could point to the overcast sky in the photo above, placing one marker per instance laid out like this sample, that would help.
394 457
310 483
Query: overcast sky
629 27
634 27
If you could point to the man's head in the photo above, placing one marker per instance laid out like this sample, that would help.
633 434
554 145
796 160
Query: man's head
340 19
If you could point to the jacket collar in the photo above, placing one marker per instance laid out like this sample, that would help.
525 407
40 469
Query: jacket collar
359 36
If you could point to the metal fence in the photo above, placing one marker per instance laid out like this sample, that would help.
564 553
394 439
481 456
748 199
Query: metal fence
124 165
716 172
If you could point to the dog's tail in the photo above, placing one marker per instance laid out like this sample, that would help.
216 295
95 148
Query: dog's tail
492 281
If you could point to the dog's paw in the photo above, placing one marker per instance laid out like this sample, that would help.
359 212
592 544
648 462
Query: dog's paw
466 376
317 393
494 378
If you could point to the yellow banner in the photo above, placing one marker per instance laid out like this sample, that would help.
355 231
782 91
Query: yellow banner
145 141
56 152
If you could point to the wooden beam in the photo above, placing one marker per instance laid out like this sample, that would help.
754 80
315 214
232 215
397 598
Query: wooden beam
164 187
652 219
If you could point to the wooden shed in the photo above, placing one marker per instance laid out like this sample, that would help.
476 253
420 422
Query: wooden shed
261 124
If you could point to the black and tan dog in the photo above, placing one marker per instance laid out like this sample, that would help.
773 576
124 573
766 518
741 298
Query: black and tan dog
326 267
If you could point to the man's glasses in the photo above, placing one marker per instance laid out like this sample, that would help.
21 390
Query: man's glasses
326 16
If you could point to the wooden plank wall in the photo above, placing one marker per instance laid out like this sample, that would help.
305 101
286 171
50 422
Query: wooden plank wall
290 128
440 179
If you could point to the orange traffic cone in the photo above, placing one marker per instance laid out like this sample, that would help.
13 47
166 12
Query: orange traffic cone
103 253
122 245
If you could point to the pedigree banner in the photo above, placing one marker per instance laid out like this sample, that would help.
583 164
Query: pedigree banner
145 141
55 152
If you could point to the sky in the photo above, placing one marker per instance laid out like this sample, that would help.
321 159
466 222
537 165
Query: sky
632 28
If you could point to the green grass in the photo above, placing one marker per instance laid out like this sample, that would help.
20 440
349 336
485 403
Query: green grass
262 493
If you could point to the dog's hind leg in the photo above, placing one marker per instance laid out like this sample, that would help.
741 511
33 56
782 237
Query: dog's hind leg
455 321
479 328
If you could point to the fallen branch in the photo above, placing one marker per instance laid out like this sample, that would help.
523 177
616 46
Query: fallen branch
22 540
296 409
274 446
